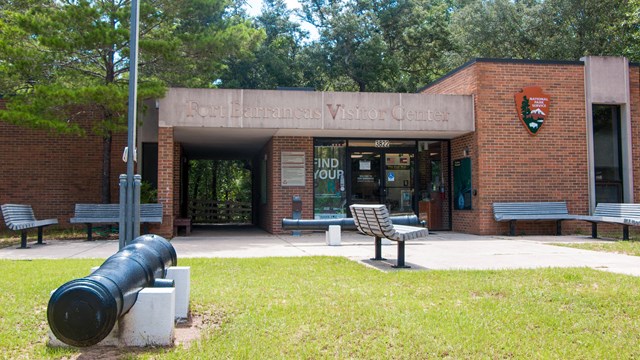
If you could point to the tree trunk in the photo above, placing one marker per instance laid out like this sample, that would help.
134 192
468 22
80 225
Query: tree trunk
106 168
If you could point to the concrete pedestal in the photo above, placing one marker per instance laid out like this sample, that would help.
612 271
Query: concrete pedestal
334 235
182 277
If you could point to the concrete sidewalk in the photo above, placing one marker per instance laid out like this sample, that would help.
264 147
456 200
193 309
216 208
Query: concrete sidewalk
441 250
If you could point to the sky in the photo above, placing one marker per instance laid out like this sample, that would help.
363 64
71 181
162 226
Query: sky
254 6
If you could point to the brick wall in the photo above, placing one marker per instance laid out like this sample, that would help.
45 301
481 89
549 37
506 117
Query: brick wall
508 163
53 172
169 155
279 198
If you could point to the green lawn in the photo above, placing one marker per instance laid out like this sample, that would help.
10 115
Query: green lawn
12 238
325 307
619 247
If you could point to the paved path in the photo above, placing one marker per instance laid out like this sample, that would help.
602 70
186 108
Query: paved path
442 250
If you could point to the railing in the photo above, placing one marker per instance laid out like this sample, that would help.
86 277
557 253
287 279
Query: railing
219 212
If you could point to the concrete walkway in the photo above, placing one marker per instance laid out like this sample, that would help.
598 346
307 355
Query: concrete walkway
441 250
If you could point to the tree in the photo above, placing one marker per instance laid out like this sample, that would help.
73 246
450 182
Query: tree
276 63
62 59
351 43
550 29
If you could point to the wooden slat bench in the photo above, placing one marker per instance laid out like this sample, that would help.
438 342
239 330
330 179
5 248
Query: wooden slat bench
533 211
374 220
21 217
90 214
613 213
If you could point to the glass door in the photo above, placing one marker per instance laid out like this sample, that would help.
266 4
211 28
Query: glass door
366 187
380 177
399 182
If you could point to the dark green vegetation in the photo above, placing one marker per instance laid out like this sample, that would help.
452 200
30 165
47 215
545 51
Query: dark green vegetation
323 307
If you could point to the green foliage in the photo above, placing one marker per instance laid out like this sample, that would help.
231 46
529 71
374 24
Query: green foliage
219 180
148 194
552 29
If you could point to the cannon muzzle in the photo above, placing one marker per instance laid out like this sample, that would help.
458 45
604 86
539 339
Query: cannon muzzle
83 311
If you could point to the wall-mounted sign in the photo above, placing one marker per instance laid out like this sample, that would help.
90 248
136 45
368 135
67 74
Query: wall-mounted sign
532 106
462 184
292 165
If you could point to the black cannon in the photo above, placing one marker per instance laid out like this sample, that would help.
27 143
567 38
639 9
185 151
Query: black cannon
345 223
83 311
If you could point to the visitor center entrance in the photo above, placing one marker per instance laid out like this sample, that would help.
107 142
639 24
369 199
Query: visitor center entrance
407 176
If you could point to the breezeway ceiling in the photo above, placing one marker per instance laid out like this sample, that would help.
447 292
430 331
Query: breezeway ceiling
244 144
222 144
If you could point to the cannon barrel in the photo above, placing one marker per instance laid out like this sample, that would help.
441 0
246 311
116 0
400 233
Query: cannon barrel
345 223
83 311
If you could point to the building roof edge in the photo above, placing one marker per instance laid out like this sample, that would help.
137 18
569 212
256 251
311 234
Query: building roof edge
498 60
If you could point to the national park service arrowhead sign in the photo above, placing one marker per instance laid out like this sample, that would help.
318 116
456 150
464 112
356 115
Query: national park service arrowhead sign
532 106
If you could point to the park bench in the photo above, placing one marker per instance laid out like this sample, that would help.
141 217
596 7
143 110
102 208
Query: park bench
374 220
531 211
21 217
613 213
90 214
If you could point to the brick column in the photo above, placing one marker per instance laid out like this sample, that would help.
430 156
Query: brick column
280 197
167 191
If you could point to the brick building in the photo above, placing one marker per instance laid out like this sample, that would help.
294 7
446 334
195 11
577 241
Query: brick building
447 153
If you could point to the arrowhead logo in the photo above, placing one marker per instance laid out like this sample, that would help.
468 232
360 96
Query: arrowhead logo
532 106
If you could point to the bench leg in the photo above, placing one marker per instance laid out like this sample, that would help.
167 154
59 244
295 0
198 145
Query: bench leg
378 245
89 232
558 227
594 230
625 232
512 228
23 240
40 236
400 262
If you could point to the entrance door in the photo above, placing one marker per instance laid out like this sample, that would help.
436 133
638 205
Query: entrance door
383 177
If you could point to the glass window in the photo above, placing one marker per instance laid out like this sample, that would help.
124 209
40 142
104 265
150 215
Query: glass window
607 150
330 197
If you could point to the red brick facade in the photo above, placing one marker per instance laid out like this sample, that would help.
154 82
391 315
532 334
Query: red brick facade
169 170
508 163
53 172
279 198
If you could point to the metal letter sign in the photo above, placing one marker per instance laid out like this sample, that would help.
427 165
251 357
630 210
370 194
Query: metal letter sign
532 106
382 143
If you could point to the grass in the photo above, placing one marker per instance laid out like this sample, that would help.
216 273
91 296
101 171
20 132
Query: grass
12 238
618 247
326 307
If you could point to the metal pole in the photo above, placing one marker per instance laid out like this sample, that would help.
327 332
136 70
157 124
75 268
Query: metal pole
131 124
137 180
123 215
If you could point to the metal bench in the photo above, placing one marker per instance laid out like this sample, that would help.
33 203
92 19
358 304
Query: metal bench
614 213
90 214
374 220
21 217
533 211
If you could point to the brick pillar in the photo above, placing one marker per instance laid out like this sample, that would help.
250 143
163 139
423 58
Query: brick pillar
167 191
